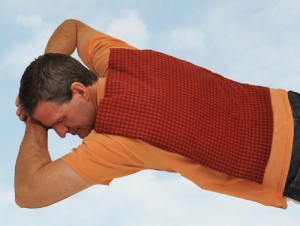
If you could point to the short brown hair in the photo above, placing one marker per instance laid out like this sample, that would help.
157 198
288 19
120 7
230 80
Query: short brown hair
49 78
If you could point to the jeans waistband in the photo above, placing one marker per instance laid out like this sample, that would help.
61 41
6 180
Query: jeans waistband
292 188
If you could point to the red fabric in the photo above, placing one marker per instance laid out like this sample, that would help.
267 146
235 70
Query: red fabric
183 108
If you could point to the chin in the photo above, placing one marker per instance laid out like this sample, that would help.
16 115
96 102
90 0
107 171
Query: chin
83 134
80 136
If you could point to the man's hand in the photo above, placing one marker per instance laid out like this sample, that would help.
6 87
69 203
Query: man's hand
19 111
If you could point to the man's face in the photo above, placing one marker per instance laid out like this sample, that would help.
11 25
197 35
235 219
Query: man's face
76 117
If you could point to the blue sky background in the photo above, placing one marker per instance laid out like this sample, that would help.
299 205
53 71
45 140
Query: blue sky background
250 41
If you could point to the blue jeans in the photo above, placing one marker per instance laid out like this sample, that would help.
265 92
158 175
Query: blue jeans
292 187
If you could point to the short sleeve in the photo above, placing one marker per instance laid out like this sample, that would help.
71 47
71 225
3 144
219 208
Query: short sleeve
96 50
101 158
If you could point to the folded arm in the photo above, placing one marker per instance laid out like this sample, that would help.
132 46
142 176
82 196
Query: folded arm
93 47
68 36
39 181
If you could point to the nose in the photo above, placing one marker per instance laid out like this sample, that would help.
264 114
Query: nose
61 130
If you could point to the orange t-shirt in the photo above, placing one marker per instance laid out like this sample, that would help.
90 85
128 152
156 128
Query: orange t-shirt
102 157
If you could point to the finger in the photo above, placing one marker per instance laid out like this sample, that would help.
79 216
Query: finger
17 101
20 114
23 117
19 110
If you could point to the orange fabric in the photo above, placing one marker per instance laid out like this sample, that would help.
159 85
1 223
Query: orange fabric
101 157
96 49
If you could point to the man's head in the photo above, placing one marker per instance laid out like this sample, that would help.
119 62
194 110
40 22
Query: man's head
49 78
55 79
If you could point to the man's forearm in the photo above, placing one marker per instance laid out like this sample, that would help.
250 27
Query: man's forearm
64 38
69 35
33 155
39 181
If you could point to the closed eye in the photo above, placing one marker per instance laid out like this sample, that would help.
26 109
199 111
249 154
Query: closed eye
55 123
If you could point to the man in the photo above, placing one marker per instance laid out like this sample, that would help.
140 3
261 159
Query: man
148 110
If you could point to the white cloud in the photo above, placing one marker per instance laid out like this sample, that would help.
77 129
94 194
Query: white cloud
186 38
30 20
151 198
129 27
21 54
258 47
6 194
59 147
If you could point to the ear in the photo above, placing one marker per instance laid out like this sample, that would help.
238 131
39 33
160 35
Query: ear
78 88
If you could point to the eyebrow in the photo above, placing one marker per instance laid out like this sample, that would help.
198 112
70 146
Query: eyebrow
50 126
55 122
47 127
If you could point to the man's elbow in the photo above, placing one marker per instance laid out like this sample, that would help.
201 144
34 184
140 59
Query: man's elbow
26 197
21 202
